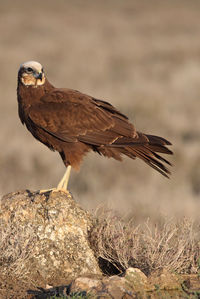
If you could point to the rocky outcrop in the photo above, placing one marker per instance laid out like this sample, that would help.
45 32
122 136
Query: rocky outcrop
45 238
133 284
45 251
126 286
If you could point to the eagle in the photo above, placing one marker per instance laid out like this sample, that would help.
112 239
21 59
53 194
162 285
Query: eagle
73 124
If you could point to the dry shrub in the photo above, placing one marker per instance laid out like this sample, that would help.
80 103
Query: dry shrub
173 245
15 250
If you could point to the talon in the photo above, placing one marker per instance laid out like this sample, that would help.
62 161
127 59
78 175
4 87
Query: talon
46 190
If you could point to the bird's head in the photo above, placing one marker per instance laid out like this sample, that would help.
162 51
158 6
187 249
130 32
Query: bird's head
31 73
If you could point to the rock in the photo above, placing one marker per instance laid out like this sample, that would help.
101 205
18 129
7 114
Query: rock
106 287
87 284
133 274
191 282
135 284
165 280
116 287
137 280
46 238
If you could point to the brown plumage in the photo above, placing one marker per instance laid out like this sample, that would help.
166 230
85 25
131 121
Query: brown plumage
74 123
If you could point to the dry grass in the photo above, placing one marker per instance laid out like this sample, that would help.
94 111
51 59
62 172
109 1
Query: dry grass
16 243
119 244
172 245
15 250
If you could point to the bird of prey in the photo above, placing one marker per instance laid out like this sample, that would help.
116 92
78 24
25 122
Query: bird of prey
74 123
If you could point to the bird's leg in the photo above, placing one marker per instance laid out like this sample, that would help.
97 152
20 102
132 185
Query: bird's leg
65 179
62 185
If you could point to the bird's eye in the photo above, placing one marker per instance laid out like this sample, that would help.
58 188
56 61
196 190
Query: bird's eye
29 69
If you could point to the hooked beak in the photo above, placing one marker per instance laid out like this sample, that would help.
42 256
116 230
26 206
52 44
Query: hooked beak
38 76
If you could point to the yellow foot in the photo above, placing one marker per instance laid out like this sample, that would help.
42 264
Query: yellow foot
46 190
65 179
54 190
62 186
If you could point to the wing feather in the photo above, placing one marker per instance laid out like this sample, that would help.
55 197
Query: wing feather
72 116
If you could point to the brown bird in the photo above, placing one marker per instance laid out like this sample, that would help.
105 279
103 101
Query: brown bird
74 123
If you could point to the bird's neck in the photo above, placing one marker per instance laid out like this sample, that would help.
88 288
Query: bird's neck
30 95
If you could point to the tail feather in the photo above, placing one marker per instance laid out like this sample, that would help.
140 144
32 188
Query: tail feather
148 151
161 158
157 140
148 158
158 149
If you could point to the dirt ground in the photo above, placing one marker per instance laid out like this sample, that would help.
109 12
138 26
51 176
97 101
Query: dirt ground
143 57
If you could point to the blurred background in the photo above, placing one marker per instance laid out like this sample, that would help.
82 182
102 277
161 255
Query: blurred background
144 58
